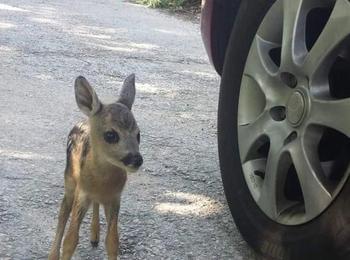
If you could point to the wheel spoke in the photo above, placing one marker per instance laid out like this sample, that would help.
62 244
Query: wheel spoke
293 41
316 192
324 51
253 180
263 66
250 134
263 70
248 111
270 194
329 113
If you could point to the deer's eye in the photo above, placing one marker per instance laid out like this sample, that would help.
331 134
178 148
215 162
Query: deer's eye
111 137
138 137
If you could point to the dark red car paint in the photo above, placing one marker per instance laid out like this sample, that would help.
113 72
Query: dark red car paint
216 25
206 19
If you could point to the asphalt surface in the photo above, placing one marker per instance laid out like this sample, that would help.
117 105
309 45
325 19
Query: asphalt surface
174 208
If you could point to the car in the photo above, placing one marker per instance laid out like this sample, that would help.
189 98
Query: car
284 122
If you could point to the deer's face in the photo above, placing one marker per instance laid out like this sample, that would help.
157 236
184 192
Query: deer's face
117 137
113 129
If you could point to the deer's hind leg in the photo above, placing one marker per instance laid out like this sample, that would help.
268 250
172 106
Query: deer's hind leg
66 207
95 225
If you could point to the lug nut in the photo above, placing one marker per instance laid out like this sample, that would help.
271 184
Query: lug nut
278 113
289 79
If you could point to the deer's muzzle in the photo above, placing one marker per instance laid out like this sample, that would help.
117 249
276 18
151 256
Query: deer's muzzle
134 160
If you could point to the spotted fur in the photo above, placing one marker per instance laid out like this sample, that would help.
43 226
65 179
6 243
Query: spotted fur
78 136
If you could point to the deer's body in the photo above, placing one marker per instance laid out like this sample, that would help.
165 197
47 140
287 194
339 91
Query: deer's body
98 179
100 151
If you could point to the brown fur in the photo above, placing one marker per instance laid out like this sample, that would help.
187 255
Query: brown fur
95 172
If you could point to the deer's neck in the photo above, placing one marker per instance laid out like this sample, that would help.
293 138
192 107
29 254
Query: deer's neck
101 179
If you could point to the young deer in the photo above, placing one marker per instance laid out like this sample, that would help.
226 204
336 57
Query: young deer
100 152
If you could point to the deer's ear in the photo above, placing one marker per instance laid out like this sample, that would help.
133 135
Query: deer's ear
86 97
127 92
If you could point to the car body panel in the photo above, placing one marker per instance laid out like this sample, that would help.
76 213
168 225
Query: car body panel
217 20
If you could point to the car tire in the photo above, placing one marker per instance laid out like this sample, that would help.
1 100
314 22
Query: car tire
326 236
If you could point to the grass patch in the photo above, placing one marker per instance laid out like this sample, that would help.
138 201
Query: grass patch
170 4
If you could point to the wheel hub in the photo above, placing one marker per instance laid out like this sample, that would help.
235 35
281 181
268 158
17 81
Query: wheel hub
296 108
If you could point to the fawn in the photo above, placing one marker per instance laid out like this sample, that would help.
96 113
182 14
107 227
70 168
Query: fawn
100 152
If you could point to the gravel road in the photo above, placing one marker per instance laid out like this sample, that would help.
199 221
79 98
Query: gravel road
174 208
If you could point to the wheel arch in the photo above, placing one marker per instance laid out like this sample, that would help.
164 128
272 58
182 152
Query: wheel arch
217 21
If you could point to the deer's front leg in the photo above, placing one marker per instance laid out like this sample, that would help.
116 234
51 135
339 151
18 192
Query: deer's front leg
80 207
112 238
95 225
65 210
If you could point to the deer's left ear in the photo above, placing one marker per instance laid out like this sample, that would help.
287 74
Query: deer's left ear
127 92
86 97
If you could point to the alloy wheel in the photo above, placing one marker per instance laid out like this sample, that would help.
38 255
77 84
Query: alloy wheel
294 109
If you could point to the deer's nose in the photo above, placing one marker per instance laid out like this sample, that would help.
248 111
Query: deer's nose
138 160
133 159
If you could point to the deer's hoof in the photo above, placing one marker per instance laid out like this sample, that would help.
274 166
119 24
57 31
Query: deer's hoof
94 243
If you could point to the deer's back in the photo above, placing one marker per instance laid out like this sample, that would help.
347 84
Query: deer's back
78 146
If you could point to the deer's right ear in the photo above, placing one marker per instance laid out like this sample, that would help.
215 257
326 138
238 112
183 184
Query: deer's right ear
86 97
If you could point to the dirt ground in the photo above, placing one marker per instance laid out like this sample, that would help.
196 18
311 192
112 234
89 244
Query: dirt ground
174 208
